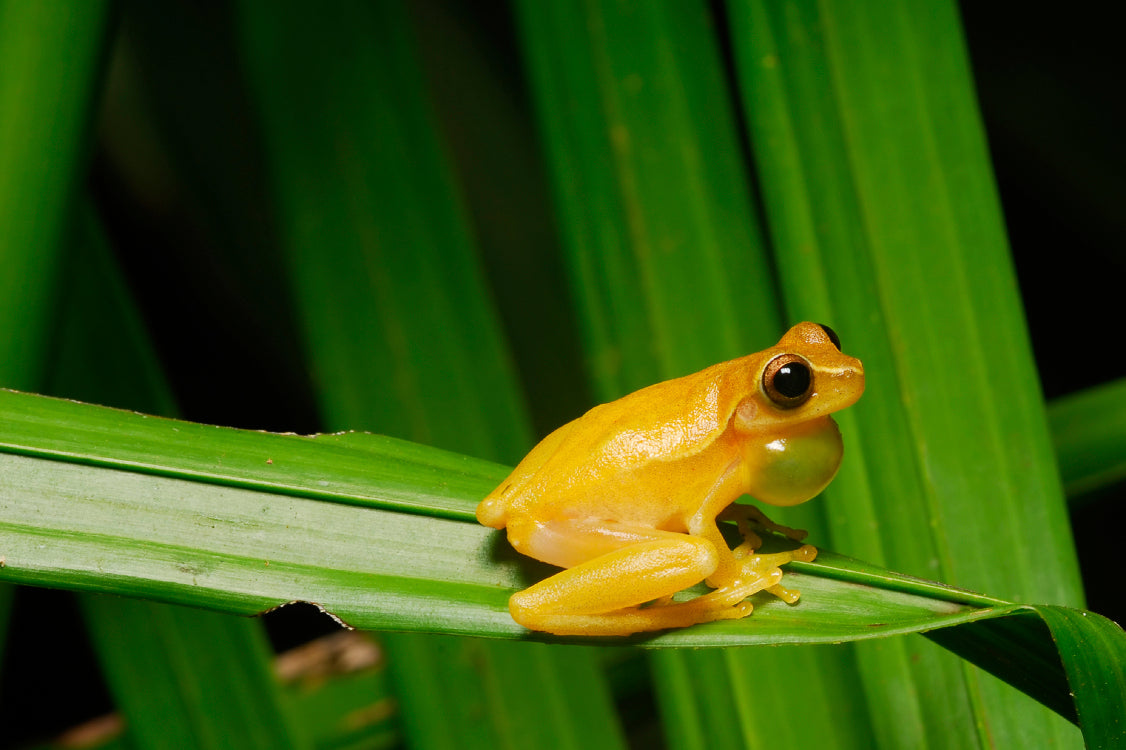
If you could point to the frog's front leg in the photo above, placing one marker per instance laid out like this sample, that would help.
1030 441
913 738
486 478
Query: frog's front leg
750 519
751 565
613 569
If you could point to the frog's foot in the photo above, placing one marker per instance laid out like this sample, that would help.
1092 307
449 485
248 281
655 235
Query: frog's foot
751 520
763 565
751 542
732 594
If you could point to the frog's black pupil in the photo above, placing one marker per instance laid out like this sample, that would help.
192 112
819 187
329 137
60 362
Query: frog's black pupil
832 335
792 380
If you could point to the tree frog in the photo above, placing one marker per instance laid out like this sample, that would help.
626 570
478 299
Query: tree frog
627 498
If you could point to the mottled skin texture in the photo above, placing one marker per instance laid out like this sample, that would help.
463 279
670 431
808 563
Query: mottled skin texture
626 497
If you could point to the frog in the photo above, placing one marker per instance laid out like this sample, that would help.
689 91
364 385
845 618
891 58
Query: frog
628 499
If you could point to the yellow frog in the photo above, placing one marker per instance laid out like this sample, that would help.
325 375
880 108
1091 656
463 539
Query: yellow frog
627 496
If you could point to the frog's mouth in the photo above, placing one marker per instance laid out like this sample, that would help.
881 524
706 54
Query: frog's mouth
794 466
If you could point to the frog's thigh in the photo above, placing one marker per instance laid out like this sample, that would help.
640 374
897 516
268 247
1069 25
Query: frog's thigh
653 565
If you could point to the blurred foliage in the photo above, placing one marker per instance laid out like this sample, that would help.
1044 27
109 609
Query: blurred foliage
201 214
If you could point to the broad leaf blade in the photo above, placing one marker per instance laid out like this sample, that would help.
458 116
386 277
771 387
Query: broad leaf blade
50 66
1079 671
327 465
401 333
89 527
1094 655
242 550
186 677
77 523
180 677
670 274
1089 430
877 185
370 225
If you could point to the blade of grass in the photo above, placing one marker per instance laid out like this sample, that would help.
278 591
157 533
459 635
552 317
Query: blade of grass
1089 430
484 117
640 196
50 66
814 218
401 333
670 274
187 678
371 218
76 524
1096 672
880 142
1094 651
180 677
257 548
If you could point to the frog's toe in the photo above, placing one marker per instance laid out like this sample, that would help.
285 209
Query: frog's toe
747 548
736 612
738 590
742 609
805 553
796 534
790 596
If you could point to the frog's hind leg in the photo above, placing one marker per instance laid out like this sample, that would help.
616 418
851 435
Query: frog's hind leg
728 603
613 569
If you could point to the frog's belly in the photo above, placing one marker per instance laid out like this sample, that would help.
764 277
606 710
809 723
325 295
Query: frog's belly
667 505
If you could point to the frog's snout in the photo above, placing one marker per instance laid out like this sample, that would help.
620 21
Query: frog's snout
858 377
846 384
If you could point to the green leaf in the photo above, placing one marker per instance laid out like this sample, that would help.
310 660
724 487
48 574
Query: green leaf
877 188
653 201
400 331
123 531
180 677
1090 680
50 65
670 274
370 226
1094 651
256 548
184 677
1089 430
76 523
51 58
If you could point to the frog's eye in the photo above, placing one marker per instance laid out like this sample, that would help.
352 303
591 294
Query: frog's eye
788 380
832 335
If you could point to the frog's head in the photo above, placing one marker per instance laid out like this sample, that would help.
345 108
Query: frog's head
791 445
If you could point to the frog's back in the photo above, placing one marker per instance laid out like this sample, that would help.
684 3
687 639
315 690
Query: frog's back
663 422
493 510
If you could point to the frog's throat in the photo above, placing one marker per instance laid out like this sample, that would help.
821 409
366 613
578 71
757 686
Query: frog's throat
791 467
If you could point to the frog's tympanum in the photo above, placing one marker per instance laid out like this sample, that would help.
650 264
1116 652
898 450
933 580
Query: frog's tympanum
627 497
